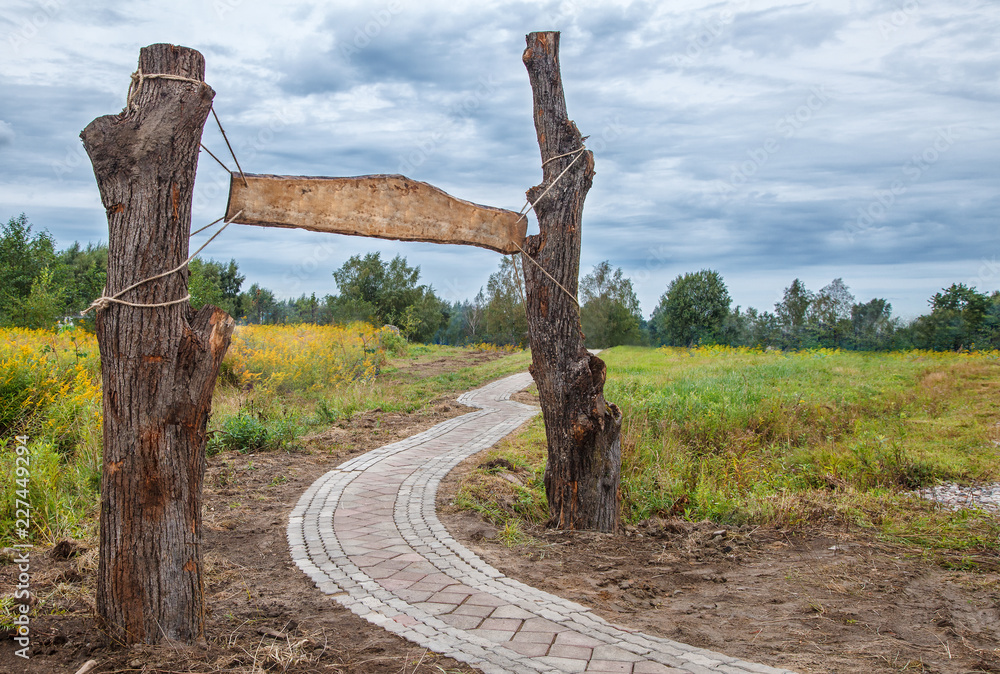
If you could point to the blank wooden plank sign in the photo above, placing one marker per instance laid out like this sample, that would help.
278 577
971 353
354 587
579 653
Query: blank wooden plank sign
383 206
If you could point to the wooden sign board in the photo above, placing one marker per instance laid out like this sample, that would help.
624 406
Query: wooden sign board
383 206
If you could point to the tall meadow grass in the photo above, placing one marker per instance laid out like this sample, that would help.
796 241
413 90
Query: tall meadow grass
726 434
746 436
276 383
285 358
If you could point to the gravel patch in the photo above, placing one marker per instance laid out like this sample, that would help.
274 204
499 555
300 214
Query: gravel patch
956 496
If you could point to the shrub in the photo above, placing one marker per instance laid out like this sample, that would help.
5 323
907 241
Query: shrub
247 432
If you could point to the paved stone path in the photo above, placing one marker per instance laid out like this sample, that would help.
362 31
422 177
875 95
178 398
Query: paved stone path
367 533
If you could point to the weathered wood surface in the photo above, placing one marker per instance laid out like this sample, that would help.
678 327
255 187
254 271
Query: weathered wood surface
382 206
583 470
158 364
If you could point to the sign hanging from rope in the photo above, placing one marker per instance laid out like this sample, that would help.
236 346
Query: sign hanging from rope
382 206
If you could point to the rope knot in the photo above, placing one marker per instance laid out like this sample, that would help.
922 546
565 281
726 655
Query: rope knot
101 303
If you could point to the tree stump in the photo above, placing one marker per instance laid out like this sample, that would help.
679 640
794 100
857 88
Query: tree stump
583 471
159 364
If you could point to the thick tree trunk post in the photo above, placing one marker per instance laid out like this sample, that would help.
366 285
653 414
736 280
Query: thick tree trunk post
159 364
584 460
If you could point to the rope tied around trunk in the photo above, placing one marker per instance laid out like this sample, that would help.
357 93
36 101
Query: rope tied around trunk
138 77
579 153
528 204
104 301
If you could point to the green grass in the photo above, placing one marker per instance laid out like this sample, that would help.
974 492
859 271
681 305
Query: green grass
506 502
785 439
722 433
62 491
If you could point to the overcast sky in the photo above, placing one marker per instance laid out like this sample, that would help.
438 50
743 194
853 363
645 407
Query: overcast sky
764 139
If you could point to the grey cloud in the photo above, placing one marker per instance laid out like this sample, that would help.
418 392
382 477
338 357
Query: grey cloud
611 26
681 124
48 122
780 32
969 79
396 43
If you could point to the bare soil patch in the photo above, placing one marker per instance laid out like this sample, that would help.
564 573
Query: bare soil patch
443 365
819 599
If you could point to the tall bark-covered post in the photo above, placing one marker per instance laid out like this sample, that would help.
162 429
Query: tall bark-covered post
159 364
584 459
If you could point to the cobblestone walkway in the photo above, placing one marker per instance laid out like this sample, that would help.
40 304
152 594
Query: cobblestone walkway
367 533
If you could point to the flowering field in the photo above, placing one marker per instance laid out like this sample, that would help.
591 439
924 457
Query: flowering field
49 384
276 383
50 391
286 358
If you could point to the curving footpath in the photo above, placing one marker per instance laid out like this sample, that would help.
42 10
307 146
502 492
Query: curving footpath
367 533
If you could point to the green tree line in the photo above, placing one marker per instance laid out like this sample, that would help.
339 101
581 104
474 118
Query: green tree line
696 309
41 286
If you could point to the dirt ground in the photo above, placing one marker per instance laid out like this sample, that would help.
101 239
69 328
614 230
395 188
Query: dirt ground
814 601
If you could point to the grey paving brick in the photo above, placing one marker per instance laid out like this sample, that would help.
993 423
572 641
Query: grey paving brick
564 664
381 506
653 668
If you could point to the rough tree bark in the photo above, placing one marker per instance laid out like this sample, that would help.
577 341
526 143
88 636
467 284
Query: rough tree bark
584 452
159 365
